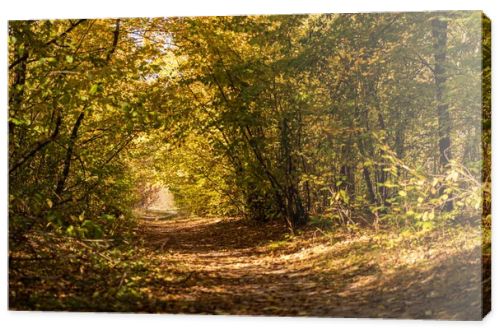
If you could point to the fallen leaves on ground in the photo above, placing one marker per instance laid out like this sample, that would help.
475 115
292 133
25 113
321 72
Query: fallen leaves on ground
227 266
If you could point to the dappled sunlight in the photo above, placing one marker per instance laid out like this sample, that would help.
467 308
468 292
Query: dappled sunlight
366 274
370 274
309 165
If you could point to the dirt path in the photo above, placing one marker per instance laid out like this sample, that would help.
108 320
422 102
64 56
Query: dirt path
221 266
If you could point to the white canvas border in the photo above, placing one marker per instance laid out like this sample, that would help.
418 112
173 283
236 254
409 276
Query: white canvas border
53 322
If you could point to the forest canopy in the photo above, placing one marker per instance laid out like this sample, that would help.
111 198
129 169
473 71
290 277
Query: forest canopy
343 117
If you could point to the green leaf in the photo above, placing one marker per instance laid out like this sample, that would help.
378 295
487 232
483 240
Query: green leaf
94 88
70 230
427 226
16 121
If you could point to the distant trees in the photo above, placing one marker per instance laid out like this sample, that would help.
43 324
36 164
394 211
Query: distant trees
339 116
319 113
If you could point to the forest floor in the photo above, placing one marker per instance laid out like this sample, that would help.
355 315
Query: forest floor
225 266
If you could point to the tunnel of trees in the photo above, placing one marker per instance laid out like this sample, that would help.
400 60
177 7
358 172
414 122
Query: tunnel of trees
371 120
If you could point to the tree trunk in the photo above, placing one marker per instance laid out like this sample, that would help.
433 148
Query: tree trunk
295 212
439 32
69 155
366 175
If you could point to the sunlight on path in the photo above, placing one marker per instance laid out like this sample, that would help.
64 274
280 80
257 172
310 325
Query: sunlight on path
224 266
164 201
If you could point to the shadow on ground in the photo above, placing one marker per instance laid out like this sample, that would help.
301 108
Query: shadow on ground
231 267
202 235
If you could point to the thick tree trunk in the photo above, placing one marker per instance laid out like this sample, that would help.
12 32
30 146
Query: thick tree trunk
348 182
295 212
439 32
366 175
369 186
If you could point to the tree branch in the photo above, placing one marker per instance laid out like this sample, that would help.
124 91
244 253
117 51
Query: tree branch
52 41
40 145
116 35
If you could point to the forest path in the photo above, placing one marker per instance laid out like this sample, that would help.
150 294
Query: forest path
224 266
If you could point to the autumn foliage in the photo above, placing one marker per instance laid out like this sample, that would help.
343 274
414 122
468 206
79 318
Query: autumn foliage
359 123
